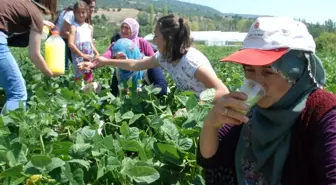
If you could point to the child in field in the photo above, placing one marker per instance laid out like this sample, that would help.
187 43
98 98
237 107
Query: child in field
81 41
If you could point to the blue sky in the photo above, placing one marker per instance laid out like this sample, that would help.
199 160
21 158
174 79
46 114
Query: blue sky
311 10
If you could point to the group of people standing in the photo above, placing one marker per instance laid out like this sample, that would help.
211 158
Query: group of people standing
288 137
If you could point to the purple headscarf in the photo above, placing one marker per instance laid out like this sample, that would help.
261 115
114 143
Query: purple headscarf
134 25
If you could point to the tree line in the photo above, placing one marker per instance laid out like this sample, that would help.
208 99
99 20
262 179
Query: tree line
322 32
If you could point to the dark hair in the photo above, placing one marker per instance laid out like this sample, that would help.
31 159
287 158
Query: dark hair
48 7
176 33
82 4
89 18
115 37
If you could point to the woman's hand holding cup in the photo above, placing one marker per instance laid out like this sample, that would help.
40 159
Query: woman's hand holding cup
225 110
233 107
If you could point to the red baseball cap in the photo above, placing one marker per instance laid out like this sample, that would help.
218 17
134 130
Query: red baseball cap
255 57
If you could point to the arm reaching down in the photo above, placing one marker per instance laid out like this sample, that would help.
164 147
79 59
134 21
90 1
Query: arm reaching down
209 78
35 54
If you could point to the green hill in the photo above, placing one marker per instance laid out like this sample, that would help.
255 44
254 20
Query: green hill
174 5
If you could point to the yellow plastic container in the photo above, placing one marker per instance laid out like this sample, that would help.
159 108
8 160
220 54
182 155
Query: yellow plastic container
55 53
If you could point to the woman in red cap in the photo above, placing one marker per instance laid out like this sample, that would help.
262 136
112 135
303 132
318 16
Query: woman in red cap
289 136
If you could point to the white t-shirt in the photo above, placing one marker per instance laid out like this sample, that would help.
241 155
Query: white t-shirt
68 16
83 33
183 73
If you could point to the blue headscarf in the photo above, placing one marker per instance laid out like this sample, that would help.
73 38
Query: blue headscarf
131 51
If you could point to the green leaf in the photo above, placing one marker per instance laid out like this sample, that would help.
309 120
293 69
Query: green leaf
81 162
117 117
135 118
168 152
124 129
141 174
16 155
156 122
88 134
17 181
29 168
78 177
61 148
55 163
67 172
156 90
130 145
198 180
12 172
192 102
113 163
208 95
108 143
4 130
185 143
127 115
134 133
80 150
170 129
40 160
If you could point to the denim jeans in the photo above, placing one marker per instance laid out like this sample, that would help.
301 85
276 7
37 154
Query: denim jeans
11 79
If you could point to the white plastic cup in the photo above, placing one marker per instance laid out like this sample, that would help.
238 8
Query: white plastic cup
254 90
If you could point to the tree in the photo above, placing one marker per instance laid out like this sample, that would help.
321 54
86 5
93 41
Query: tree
143 18
103 18
151 16
326 42
329 25
165 9
96 19
195 26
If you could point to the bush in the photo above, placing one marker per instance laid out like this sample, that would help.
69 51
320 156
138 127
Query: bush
326 42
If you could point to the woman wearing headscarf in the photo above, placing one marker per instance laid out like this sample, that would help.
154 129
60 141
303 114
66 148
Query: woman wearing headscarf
122 49
289 136
130 29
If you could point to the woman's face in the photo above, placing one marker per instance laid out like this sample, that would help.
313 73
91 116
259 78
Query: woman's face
125 31
159 41
92 7
275 85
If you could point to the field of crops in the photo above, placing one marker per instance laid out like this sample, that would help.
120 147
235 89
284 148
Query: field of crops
71 137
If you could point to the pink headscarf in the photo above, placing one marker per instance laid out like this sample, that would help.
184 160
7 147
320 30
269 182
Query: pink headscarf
134 25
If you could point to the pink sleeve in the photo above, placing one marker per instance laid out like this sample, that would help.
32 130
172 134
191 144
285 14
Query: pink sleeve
147 48
108 52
